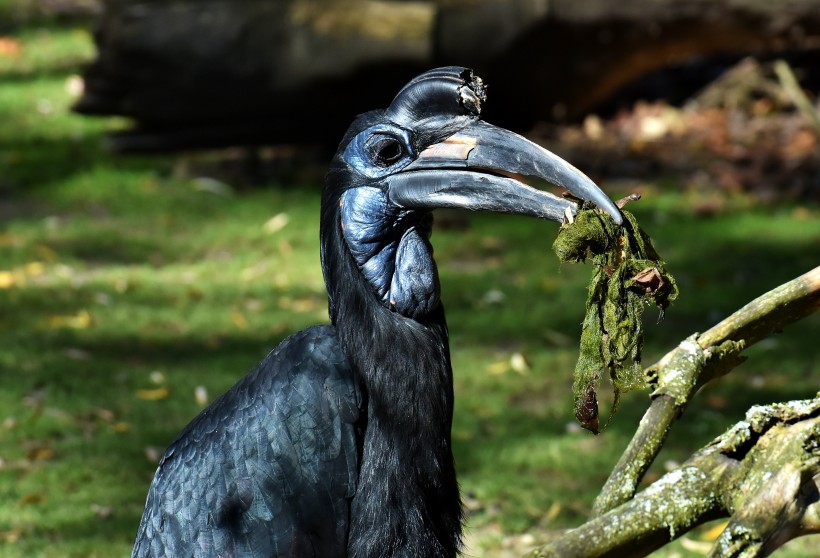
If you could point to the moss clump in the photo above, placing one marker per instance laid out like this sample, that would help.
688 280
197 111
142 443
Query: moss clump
628 275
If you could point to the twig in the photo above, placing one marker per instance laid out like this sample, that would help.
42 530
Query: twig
769 313
798 97
694 363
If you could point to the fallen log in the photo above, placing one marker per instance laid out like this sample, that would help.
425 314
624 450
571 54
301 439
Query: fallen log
246 72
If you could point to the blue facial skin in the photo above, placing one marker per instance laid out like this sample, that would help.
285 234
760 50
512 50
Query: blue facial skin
363 152
392 249
390 245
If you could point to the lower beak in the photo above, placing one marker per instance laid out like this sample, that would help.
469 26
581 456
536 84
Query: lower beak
466 170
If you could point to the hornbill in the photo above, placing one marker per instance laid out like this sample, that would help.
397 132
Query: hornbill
338 442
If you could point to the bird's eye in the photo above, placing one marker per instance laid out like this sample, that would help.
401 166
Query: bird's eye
380 150
390 152
385 150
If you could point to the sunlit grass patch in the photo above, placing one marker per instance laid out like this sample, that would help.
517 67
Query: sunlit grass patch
44 51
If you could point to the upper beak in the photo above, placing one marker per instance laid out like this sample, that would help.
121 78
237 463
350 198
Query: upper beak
460 171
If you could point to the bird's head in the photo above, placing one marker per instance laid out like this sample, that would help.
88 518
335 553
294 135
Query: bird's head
429 149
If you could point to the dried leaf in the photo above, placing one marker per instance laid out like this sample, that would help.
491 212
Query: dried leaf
103 512
8 240
153 453
155 394
285 247
7 280
34 269
73 353
586 409
11 536
46 253
717 402
40 453
74 85
276 223
498 368
9 47
493 297
212 186
519 364
30 499
201 395
714 532
554 511
80 320
255 271
650 280
300 305
239 319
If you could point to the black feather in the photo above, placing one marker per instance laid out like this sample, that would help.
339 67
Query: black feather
268 468
407 503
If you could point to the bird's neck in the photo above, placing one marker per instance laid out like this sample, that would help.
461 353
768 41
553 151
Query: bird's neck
407 502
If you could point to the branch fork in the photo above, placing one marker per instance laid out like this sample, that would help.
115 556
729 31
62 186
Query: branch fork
764 472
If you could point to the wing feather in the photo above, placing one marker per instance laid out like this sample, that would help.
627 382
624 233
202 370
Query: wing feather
269 468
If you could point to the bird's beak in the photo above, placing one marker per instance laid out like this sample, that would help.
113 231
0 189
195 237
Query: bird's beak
469 168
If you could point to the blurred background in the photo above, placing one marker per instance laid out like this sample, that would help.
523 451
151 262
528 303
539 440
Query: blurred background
161 164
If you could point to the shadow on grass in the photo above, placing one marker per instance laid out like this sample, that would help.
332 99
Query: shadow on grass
38 163
56 70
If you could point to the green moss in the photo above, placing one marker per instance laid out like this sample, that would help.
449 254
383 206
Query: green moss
628 275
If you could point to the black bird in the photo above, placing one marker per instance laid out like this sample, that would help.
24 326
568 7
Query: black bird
338 443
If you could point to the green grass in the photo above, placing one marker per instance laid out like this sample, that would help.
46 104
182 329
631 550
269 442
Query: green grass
121 280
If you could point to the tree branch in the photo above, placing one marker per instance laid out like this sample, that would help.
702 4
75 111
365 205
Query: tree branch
764 471
767 314
696 361
776 498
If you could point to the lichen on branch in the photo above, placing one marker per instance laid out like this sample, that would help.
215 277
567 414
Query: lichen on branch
763 473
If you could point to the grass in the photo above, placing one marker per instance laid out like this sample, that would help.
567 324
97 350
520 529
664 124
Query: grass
125 288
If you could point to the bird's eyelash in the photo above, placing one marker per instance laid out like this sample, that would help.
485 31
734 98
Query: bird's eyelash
386 149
